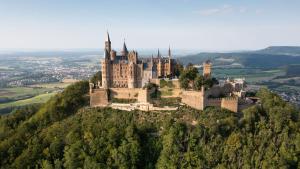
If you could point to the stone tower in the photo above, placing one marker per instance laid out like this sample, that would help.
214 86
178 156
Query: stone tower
105 70
124 50
159 65
131 75
107 43
207 68
170 61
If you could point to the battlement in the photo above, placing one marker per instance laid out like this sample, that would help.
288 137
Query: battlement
230 103
99 98
194 99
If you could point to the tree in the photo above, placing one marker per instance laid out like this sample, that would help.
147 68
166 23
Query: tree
96 77
184 83
178 69
198 82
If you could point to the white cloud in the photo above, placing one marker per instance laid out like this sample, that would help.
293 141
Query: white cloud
213 11
225 9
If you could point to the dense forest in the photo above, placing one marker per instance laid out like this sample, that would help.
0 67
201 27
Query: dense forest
66 133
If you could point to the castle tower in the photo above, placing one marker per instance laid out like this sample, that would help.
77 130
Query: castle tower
170 64
113 55
131 75
124 50
133 57
158 53
159 64
207 68
105 70
107 42
159 68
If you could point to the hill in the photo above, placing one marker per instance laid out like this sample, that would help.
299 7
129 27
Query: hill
270 57
65 133
281 50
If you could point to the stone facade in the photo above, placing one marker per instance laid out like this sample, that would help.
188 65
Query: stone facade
194 99
207 68
99 98
127 70
230 103
124 75
199 100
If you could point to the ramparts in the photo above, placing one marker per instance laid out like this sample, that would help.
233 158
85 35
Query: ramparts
193 99
98 98
230 103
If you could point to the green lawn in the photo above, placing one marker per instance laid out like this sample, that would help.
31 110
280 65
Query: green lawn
166 91
251 75
37 99
52 85
19 92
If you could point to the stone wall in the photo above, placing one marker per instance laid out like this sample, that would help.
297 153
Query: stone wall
176 83
140 106
193 99
124 93
213 102
230 103
143 96
99 98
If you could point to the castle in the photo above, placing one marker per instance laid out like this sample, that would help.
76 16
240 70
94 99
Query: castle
125 75
127 70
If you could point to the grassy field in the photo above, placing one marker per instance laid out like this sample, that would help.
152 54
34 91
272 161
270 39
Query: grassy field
166 91
21 92
52 85
20 96
37 99
251 75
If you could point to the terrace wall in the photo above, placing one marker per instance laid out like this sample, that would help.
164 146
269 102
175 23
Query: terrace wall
99 98
194 99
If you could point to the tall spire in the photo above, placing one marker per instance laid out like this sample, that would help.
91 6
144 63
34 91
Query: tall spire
107 39
158 54
106 54
124 50
152 59
169 52
107 43
124 46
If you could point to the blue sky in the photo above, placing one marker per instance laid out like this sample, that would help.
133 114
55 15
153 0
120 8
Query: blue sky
184 24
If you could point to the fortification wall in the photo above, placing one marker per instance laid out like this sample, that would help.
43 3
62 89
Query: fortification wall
124 93
193 99
98 97
213 102
230 103
143 96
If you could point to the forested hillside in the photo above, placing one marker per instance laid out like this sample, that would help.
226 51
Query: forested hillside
65 133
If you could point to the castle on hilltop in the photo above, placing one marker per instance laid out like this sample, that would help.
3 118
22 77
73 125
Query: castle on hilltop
125 77
127 70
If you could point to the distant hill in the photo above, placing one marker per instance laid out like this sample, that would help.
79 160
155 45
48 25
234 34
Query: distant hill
281 50
266 58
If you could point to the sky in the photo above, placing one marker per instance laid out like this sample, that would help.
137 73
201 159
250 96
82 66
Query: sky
207 25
